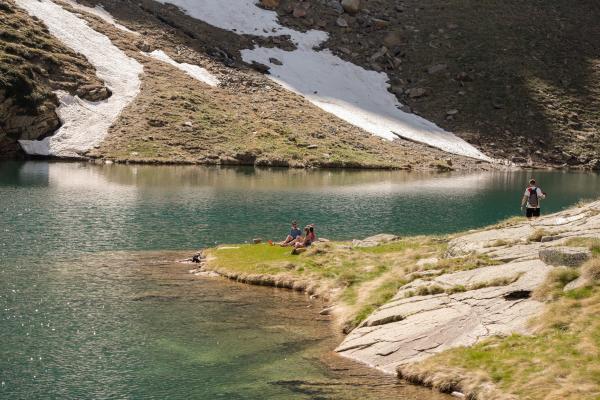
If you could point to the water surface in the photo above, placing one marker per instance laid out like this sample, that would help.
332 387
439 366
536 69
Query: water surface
92 305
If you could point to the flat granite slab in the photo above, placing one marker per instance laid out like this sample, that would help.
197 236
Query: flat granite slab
410 329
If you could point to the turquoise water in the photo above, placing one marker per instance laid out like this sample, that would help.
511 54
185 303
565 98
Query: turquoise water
93 306
67 208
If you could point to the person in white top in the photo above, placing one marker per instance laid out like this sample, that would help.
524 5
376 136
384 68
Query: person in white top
531 200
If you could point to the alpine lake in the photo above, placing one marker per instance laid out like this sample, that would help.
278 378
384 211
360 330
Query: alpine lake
95 306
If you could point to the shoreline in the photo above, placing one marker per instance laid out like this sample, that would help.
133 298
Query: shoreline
319 166
505 270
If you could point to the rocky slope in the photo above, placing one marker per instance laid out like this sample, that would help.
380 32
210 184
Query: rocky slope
519 80
245 119
518 91
34 64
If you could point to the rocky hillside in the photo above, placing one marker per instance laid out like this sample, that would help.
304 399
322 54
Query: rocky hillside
520 80
33 64
244 119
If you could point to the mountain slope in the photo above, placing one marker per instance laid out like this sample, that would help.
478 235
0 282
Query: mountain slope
246 119
33 64
520 80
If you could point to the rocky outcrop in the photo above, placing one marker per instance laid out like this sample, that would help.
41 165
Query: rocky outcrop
34 64
468 306
563 255
485 96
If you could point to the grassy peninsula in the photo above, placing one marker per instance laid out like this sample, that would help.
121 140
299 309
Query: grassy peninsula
556 358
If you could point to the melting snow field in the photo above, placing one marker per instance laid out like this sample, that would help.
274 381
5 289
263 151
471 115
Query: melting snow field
194 71
85 124
346 90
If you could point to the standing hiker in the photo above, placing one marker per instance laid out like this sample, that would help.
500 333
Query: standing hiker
531 200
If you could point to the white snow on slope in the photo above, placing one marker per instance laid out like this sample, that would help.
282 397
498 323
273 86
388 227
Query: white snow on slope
346 90
194 71
100 12
85 124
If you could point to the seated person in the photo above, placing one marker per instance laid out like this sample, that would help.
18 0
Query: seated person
294 234
308 239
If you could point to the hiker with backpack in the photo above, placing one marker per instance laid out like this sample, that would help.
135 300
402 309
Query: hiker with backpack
531 200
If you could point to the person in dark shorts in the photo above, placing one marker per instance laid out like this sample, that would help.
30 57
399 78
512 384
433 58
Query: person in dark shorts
531 200
294 234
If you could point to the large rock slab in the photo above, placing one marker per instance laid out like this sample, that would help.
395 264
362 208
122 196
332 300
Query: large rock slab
563 255
410 329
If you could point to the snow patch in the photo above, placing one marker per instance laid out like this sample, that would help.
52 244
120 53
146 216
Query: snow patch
194 71
85 123
346 90
100 12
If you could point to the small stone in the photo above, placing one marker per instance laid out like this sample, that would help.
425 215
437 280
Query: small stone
380 23
312 146
497 104
546 239
351 6
270 4
300 10
341 21
393 39
188 123
375 240
143 46
454 111
262 68
417 92
275 61
434 69
397 90
378 54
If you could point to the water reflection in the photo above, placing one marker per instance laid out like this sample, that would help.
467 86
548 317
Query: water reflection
73 207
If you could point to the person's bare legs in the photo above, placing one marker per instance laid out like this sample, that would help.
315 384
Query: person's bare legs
287 242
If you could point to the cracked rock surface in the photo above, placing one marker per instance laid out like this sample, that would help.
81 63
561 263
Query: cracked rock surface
409 329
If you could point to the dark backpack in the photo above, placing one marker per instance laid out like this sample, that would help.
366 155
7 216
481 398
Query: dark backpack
533 201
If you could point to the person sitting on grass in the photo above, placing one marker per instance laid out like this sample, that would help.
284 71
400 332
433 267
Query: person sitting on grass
294 234
308 239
